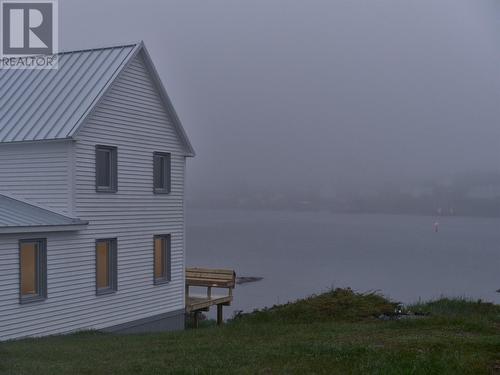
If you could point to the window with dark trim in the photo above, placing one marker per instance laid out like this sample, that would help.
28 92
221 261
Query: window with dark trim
162 259
106 266
106 169
32 270
161 173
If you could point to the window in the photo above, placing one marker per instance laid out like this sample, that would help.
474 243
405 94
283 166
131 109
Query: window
162 259
161 173
106 176
106 269
33 270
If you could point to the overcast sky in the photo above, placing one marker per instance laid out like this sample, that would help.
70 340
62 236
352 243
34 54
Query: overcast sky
317 94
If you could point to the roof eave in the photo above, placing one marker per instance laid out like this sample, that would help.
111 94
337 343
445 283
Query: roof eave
43 228
28 141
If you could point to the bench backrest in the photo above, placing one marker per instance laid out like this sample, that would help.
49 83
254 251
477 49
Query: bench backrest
210 277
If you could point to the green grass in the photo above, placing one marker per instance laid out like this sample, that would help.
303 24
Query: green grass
332 333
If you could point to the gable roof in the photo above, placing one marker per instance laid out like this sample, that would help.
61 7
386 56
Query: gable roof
38 105
18 216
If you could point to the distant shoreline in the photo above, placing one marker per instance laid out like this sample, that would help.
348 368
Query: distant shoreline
292 210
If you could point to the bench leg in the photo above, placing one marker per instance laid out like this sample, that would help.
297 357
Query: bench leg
195 319
220 318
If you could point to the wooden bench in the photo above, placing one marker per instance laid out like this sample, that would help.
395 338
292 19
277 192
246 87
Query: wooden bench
209 278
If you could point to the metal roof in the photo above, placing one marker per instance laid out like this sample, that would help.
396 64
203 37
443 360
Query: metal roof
53 104
18 216
48 103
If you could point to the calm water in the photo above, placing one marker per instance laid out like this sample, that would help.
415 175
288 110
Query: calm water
300 253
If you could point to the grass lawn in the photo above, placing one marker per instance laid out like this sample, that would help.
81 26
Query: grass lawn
333 333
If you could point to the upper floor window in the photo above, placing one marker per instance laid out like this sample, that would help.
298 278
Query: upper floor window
162 259
106 266
106 174
161 173
33 269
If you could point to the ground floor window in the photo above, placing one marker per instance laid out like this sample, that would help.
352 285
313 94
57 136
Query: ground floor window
33 270
162 259
106 266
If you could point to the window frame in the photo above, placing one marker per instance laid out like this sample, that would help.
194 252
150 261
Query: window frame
167 183
112 267
167 259
41 266
113 169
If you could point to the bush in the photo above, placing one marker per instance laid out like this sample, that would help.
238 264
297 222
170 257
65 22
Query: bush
457 306
337 304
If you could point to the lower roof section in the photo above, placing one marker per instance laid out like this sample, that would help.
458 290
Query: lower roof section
19 216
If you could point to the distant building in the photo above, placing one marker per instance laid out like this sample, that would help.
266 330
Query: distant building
484 192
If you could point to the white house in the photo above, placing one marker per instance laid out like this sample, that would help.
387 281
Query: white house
92 166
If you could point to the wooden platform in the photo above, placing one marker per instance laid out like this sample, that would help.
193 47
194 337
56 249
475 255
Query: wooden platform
209 278
194 303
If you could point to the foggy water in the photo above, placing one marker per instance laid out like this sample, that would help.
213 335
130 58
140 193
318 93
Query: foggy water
300 253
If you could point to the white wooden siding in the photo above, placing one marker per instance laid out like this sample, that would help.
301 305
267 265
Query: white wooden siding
37 172
72 304
132 118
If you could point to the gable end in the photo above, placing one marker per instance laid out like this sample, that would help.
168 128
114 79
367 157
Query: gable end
142 53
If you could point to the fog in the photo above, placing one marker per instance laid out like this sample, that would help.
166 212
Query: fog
319 95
